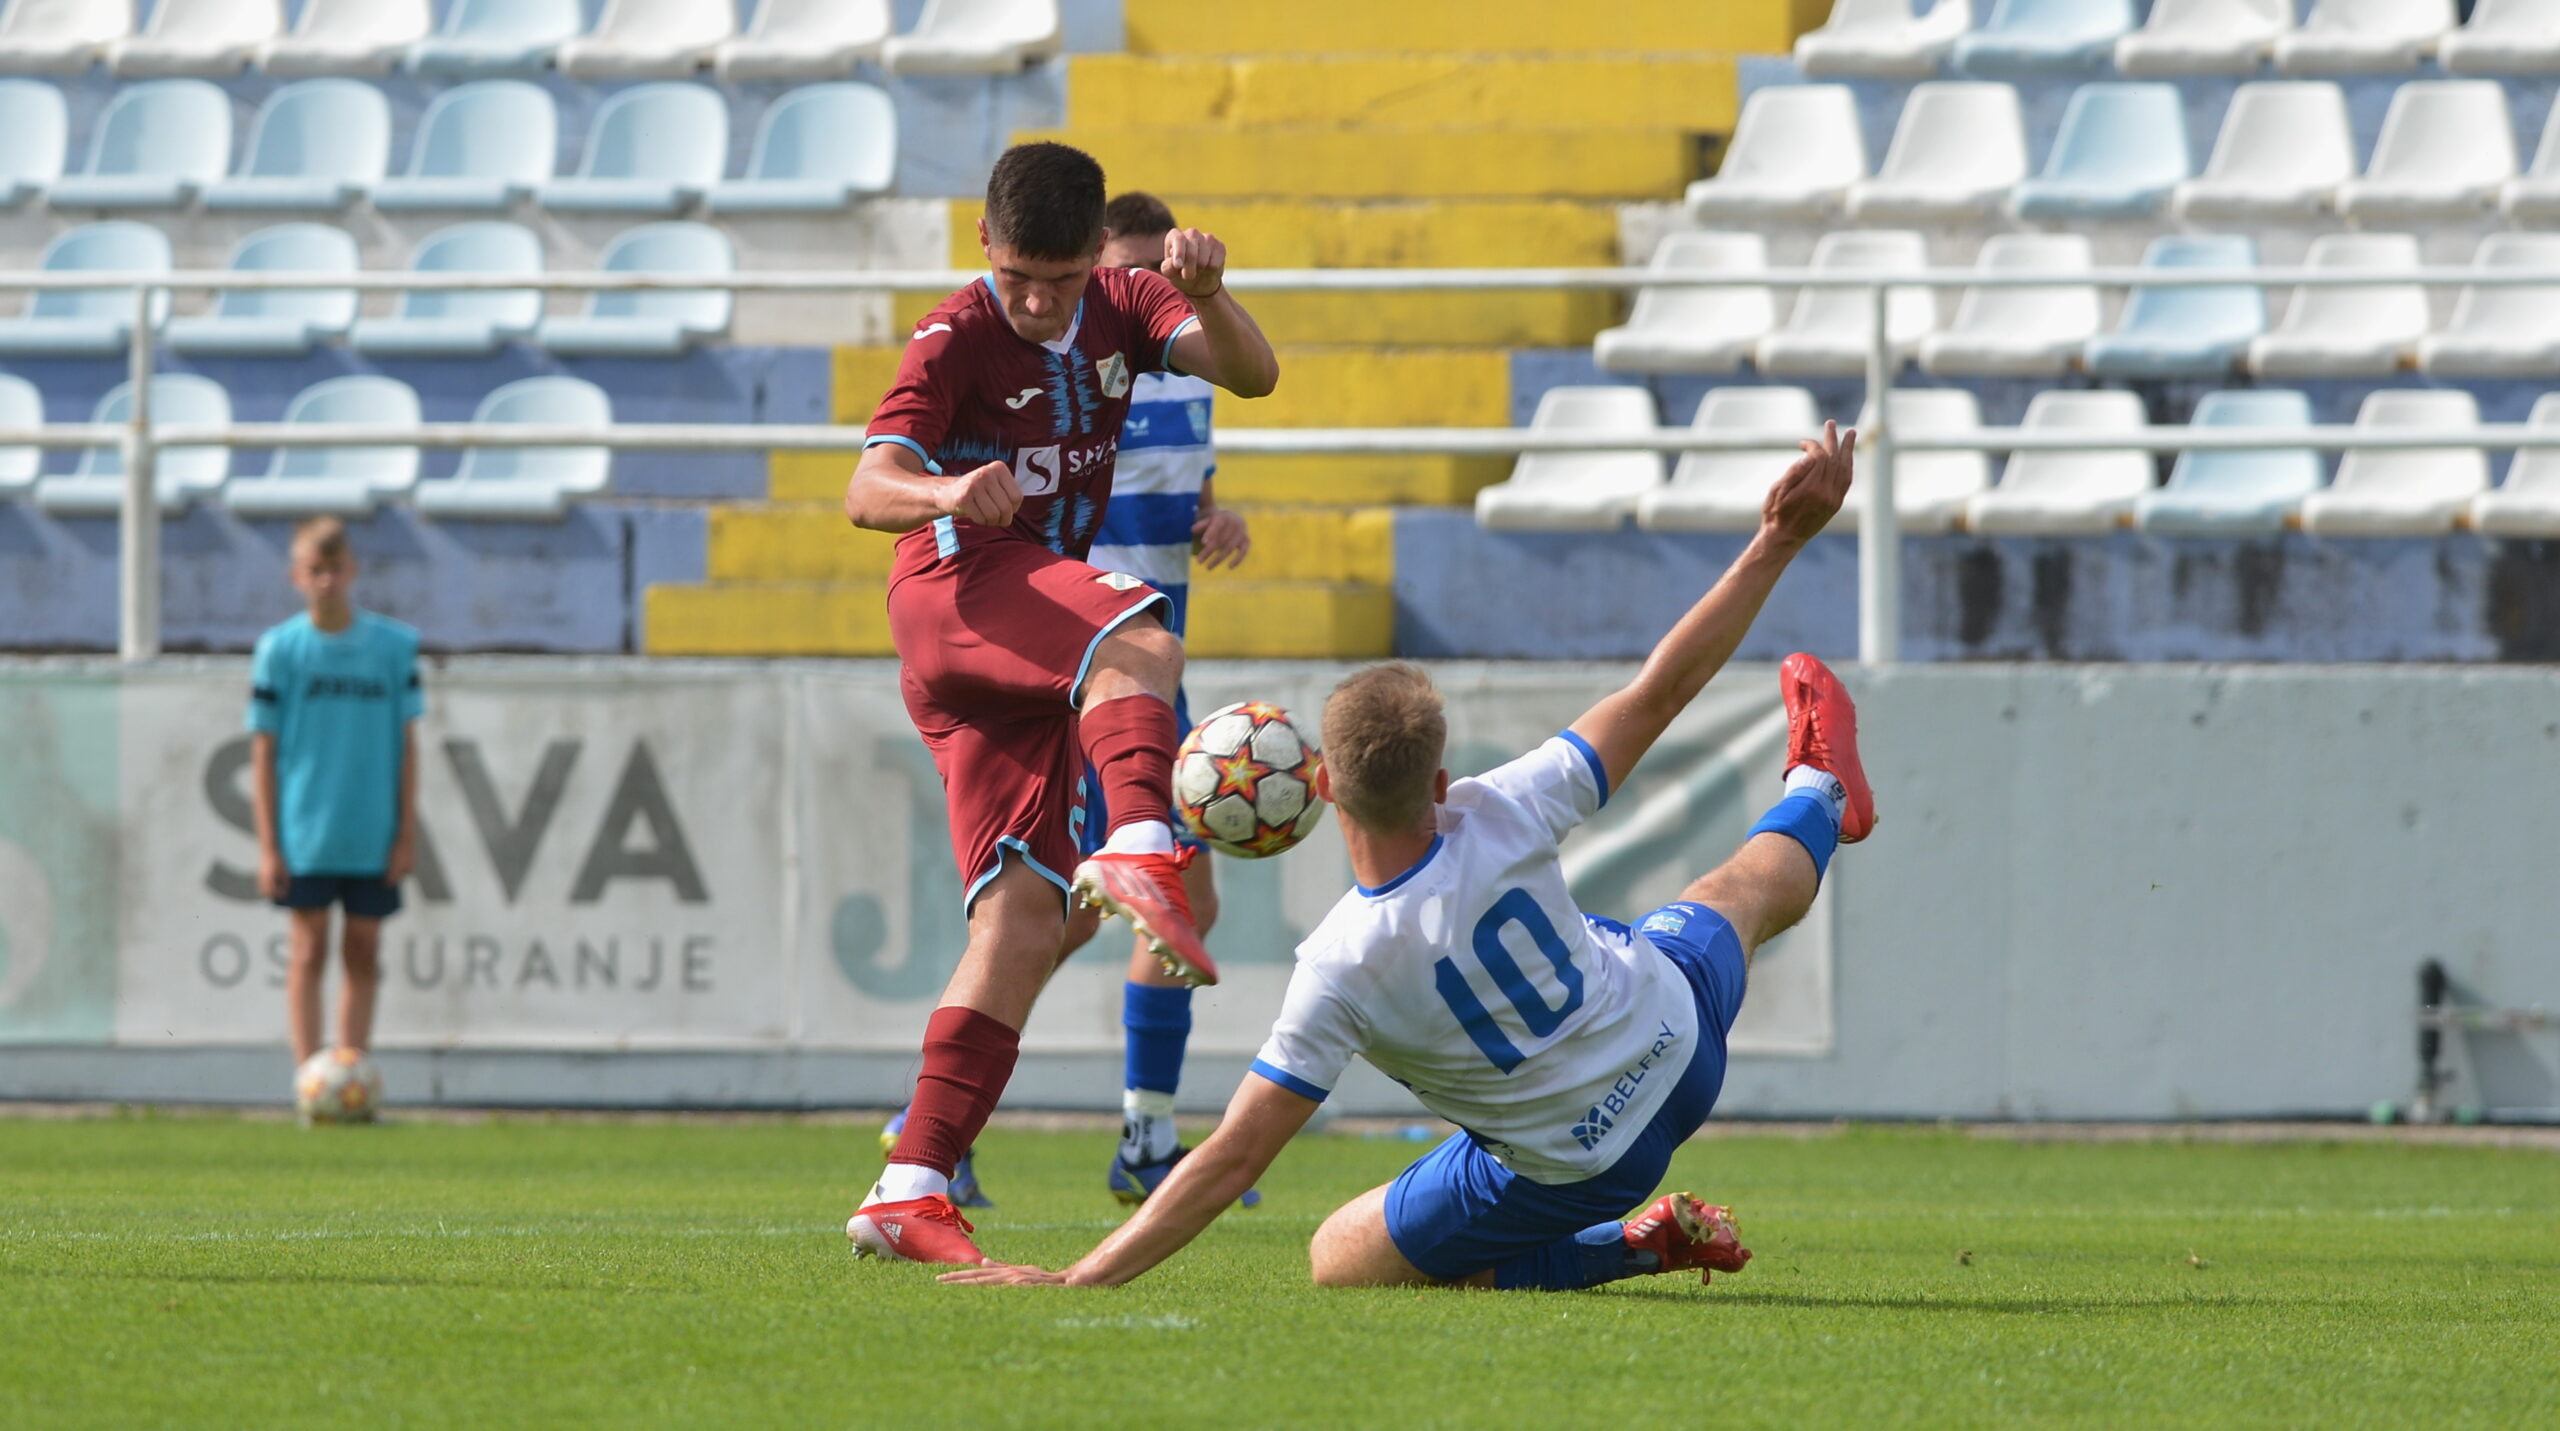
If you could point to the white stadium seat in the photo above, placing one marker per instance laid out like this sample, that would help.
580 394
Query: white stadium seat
2413 493
1930 489
648 39
975 37
348 37
2236 493
60 36
1882 39
315 145
95 488
2505 37
1956 153
2067 493
2364 36
651 149
2348 332
198 37
1693 330
2527 504
335 481
2447 151
2534 197
1795 152
793 40
1723 491
275 322
20 406
1585 491
2020 332
2502 332
2033 39
1827 333
528 484
2284 149
34 129
2204 37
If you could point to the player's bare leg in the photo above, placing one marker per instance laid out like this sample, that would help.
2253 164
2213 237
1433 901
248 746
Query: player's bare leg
1763 891
1129 735
305 972
360 951
1353 1249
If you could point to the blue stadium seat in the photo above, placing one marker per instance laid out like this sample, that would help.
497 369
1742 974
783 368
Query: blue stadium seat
653 149
62 37
317 145
528 484
817 150
455 324
20 406
335 481
2227 494
153 148
658 323
280 322
480 147
96 487
2184 331
495 37
2027 39
88 322
33 130
2120 150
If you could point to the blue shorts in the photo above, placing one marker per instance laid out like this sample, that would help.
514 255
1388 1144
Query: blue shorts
1092 818
1459 1211
364 896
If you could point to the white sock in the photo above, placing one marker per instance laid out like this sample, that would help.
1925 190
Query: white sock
904 1182
1833 794
1146 1126
1140 837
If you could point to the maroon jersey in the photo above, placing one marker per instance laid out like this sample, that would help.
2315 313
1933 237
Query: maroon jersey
971 391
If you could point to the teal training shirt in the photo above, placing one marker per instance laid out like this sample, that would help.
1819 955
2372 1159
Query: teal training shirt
339 708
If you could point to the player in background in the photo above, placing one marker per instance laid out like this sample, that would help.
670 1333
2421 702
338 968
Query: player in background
332 694
1576 1053
993 454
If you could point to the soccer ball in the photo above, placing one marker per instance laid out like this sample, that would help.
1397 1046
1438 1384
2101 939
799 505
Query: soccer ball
1245 781
337 1085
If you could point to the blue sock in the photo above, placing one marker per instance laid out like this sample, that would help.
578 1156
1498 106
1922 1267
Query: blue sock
1159 1026
1805 818
1588 1258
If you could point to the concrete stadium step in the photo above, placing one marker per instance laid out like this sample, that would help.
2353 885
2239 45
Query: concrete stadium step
1274 619
1319 387
1393 162
819 477
1186 27
1385 233
1692 92
1516 319
813 542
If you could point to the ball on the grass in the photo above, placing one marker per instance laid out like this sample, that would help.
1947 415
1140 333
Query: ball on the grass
1245 781
338 1085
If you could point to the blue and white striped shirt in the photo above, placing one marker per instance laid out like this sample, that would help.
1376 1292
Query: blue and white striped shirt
1155 496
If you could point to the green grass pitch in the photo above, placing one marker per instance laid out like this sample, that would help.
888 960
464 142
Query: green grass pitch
211 1271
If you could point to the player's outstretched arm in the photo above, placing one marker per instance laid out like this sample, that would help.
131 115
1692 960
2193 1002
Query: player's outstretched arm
1260 1121
892 492
1228 347
1625 725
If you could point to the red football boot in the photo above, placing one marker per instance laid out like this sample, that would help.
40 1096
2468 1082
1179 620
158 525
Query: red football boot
922 1229
1147 890
1822 731
1684 1233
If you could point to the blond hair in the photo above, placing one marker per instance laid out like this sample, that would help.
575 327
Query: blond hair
326 536
1384 735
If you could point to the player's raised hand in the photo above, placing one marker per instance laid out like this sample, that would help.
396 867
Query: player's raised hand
1195 262
1219 538
985 495
1810 492
998 1274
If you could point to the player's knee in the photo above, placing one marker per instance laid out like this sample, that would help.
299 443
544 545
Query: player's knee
362 949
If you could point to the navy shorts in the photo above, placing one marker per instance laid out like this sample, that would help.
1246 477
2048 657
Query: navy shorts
1092 818
364 896
1459 1211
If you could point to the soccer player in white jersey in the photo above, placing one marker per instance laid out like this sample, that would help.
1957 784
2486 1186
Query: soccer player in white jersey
1574 1053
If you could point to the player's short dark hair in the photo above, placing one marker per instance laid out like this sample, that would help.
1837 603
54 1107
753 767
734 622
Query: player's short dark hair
325 536
1384 735
1045 201
1137 214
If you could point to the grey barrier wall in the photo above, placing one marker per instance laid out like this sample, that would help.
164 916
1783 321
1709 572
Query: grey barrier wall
2098 892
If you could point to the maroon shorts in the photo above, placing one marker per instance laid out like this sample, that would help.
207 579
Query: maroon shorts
994 633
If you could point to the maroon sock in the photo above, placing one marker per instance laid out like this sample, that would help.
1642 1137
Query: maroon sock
1130 743
968 1058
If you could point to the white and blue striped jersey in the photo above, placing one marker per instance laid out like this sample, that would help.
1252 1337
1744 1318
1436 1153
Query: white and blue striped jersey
1155 497
1473 980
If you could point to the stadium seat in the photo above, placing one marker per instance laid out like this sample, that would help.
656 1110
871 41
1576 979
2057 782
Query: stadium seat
1827 333
2283 151
2068 493
2534 197
95 488
795 40
2501 332
2505 37
527 484
2204 37
968 37
2363 36
459 324
1955 155
2235 494
2120 150
335 481
1723 491
2447 150
2170 331
2027 39
657 323
315 145
33 130
480 147
1586 491
818 149
155 145
87 322
2020 332
2413 493
60 36
276 322
198 37
1693 330
348 37
2527 504
20 406
1882 39
1930 489
495 37
1795 152
2348 332
644 39
653 149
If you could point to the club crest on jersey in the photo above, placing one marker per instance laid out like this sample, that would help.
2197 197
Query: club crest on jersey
1035 470
1119 581
1114 372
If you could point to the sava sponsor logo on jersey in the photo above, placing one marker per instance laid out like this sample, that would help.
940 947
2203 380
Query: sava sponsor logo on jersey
1039 470
1603 1115
1114 372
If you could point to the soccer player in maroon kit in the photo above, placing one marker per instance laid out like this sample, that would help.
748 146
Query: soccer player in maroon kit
993 454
